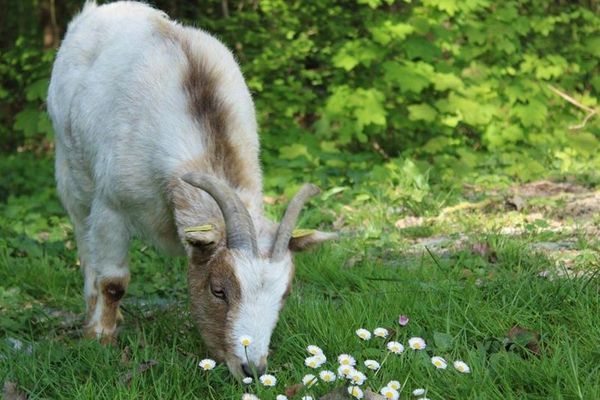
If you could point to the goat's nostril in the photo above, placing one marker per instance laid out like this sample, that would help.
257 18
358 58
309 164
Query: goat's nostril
247 370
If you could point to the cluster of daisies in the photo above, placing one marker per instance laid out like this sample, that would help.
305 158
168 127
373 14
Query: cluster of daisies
347 369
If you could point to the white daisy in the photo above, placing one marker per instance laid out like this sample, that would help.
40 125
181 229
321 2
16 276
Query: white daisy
395 347
363 334
394 385
372 364
345 370
207 364
439 362
418 392
381 332
314 350
309 380
389 393
248 396
268 380
281 397
314 361
356 392
416 343
346 359
245 340
357 377
307 398
461 366
247 380
327 376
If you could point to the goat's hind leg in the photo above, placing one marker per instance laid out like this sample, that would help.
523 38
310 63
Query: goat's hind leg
108 242
90 292
73 198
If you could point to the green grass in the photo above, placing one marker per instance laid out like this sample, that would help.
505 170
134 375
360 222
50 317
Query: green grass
461 302
329 302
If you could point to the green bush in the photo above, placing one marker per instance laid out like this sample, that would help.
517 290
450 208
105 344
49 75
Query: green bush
24 74
462 88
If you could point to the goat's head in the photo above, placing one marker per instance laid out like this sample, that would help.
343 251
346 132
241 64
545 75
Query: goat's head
235 288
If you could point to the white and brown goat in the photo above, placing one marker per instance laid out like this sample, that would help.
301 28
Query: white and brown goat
156 134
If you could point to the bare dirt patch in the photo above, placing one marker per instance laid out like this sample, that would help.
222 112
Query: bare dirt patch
564 212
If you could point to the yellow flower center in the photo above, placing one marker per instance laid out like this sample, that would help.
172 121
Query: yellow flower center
418 346
389 395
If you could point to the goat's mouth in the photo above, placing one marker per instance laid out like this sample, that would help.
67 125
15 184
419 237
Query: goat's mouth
244 369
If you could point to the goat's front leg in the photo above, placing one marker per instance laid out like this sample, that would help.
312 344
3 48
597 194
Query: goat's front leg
107 275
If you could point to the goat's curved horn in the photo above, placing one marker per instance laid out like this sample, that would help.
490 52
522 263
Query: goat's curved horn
288 223
238 223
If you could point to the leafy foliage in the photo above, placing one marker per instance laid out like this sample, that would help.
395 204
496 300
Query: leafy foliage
24 71
457 88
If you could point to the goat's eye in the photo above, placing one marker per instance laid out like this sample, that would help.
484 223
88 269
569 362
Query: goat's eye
218 293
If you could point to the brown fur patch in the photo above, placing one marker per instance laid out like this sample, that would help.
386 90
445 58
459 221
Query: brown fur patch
201 85
213 315
113 290
201 82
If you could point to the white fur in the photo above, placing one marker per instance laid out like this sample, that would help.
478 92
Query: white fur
262 284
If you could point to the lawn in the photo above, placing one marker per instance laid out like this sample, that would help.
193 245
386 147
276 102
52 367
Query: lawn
506 283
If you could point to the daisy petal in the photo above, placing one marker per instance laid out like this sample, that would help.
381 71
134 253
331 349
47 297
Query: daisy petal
416 343
439 362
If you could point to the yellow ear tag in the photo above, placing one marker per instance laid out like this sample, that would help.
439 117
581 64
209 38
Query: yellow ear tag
298 233
201 228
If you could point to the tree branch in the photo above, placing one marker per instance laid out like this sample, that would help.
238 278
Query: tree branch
590 111
225 8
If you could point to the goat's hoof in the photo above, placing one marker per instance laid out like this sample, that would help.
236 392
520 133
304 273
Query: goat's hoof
104 336
108 340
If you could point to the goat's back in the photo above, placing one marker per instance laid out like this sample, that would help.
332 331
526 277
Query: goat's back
135 97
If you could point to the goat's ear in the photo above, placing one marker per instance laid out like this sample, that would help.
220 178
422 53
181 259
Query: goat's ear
303 239
202 236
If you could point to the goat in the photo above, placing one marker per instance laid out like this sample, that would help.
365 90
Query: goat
156 135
